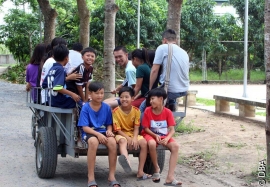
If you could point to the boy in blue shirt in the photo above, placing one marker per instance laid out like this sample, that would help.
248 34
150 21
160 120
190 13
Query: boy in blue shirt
96 123
55 80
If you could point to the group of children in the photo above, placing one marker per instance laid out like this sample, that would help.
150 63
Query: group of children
100 125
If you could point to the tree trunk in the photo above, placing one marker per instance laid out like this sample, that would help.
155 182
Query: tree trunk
174 16
219 67
50 15
84 15
109 44
267 61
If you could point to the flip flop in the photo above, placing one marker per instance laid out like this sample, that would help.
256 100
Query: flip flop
173 183
92 183
156 177
112 183
124 163
144 177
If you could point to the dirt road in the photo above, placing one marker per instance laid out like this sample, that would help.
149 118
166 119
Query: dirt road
17 155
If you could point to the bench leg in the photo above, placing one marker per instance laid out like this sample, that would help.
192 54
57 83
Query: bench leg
246 110
222 106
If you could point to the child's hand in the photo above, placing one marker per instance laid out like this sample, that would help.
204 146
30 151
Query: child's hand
109 133
129 143
134 143
75 76
158 139
28 87
76 97
164 141
102 139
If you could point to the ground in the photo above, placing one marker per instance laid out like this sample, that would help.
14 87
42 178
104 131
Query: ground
226 148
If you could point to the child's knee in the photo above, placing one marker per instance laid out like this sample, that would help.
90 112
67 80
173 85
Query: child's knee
111 143
122 141
174 146
152 144
142 142
93 142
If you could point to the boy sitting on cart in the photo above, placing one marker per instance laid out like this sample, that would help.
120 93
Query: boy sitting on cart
96 122
55 81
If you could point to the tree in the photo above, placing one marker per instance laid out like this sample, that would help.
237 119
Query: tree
109 44
84 15
267 61
50 16
174 17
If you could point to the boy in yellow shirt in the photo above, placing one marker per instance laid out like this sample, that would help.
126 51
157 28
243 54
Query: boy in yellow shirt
126 123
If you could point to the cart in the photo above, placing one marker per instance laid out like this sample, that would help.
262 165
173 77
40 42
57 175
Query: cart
55 133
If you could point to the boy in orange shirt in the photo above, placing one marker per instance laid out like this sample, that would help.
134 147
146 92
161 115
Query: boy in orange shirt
126 123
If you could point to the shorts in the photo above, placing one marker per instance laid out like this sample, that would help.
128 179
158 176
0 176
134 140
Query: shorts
86 138
149 137
118 137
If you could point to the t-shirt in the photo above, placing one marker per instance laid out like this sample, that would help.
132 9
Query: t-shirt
97 120
179 75
55 80
87 77
126 122
45 69
158 124
75 59
130 72
143 71
31 77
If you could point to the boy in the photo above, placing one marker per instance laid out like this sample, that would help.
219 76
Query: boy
86 70
126 122
55 80
96 122
158 123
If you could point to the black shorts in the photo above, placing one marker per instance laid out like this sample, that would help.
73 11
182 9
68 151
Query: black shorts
91 135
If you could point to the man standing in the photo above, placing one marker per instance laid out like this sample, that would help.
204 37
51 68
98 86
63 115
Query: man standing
179 75
121 57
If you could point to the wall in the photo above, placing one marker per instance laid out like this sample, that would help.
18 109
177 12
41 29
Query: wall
7 59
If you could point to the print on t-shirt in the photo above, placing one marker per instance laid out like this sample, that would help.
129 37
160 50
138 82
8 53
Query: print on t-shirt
159 127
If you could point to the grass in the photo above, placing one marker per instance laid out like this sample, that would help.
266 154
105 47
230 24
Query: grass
208 102
235 145
260 113
231 75
188 127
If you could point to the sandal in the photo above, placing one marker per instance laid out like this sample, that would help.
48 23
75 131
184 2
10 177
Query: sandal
113 183
124 163
144 177
156 177
173 183
92 183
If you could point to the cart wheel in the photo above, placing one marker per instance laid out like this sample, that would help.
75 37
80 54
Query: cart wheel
33 129
149 167
46 152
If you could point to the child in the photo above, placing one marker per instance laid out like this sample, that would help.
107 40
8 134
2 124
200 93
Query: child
56 81
32 70
158 123
86 70
126 122
96 122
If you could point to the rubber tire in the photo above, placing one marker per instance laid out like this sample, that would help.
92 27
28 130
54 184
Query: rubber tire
46 152
149 167
33 129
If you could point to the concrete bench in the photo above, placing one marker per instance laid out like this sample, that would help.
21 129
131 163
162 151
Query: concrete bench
191 98
246 105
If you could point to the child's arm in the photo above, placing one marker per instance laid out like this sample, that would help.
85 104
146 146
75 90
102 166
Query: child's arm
80 90
155 136
101 138
74 96
109 132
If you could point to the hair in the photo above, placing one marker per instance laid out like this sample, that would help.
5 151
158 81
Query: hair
158 92
123 48
169 34
39 54
60 52
145 55
95 86
77 47
89 49
56 41
127 89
